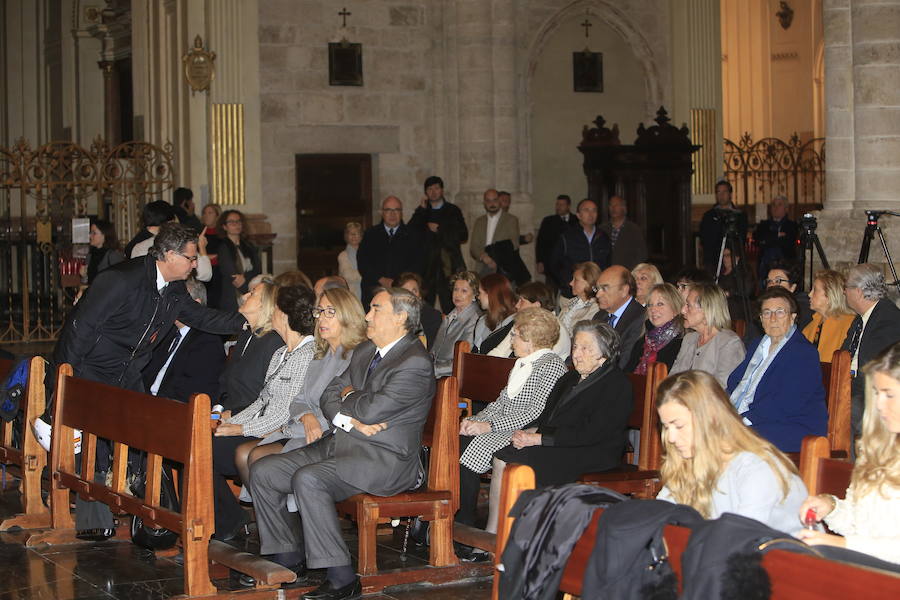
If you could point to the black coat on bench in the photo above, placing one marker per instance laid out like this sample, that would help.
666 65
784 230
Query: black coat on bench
582 427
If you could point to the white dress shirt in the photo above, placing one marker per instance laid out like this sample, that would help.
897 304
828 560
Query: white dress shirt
343 421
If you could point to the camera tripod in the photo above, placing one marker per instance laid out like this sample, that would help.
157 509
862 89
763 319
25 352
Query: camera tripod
732 240
872 227
811 243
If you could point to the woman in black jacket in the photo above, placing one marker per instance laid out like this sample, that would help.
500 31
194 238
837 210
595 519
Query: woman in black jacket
582 427
664 330
238 259
104 249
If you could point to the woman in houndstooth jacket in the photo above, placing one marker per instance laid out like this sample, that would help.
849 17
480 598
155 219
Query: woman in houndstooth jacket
532 378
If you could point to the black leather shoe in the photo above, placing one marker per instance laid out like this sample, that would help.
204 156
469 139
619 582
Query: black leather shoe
351 591
95 535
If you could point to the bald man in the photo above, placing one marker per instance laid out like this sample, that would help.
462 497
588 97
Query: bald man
618 308
628 245
389 249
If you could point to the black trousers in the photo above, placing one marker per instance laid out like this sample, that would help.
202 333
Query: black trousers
469 486
228 511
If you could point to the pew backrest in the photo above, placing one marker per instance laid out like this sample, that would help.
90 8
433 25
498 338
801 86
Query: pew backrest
644 416
837 382
821 473
481 378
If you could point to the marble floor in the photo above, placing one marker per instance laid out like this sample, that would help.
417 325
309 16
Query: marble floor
121 570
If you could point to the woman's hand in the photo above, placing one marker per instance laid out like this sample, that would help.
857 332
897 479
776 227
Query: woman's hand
202 242
229 429
820 538
225 415
523 439
368 430
822 505
238 280
311 427
470 427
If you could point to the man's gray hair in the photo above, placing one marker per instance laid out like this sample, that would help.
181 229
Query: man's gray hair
869 279
402 300
606 337
171 236
196 289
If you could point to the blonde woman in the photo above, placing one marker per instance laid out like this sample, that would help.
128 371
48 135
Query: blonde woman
645 276
711 346
583 305
867 517
460 322
716 464
665 330
831 316
348 268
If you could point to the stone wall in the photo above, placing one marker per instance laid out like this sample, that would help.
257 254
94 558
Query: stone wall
446 91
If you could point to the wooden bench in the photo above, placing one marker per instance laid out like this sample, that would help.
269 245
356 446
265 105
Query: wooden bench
481 379
164 429
822 473
793 576
837 382
642 480
437 503
28 460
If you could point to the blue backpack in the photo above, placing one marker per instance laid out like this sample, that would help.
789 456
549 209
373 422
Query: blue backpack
12 390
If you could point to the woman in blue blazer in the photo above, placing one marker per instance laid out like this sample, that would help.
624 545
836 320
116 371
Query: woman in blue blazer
777 389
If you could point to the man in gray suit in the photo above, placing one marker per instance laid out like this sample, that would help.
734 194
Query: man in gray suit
628 245
378 407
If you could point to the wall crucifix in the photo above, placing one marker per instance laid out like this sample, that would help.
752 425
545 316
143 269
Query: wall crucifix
344 14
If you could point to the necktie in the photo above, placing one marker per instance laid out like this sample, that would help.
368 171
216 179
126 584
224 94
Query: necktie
857 335
175 339
375 360
611 319
391 234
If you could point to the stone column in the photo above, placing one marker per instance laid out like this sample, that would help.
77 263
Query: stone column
862 90
697 87
112 120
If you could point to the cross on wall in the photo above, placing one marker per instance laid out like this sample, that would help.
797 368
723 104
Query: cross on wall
344 14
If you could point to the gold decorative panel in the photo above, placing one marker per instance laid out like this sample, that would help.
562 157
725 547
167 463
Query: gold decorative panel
703 134
227 138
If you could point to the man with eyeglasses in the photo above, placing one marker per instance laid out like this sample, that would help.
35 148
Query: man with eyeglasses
615 295
388 249
112 331
876 327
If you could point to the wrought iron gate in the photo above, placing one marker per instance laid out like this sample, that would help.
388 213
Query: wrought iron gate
41 191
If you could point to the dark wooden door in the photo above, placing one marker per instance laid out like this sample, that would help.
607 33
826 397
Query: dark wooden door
332 190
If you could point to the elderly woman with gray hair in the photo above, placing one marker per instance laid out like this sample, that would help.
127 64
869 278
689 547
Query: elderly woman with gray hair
530 382
582 427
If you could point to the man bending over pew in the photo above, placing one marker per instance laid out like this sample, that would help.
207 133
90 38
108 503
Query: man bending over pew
379 406
126 312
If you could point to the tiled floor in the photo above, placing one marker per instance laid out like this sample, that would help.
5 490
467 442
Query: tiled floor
121 570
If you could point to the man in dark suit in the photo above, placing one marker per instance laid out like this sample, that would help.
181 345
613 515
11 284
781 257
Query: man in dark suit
628 245
776 237
388 249
587 243
187 361
876 327
615 296
716 222
552 227
378 406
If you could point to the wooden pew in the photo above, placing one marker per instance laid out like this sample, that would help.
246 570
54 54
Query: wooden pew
481 379
437 503
165 429
837 382
28 460
642 480
739 326
793 576
821 473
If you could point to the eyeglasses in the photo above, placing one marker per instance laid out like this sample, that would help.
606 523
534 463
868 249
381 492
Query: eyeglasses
396 210
683 286
232 221
191 259
328 312
776 281
778 313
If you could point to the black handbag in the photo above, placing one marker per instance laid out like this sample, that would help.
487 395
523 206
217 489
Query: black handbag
148 537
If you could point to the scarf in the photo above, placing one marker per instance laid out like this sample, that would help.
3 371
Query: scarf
655 340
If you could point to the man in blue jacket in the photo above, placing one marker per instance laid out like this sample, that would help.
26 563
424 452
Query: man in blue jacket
586 243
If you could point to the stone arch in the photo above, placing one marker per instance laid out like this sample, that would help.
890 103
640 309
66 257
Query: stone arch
617 20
